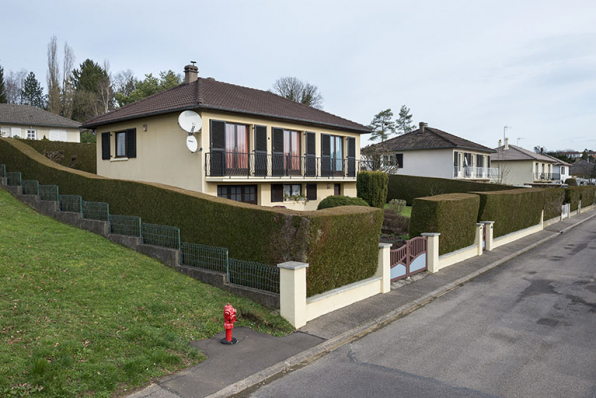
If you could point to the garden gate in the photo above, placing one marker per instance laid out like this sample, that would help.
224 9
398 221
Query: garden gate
409 259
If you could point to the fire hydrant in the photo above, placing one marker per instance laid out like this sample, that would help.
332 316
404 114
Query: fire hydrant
229 319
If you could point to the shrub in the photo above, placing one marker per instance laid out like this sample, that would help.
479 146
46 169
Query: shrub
340 200
553 201
409 188
394 223
397 205
572 182
340 245
572 196
372 187
588 195
69 154
511 210
452 215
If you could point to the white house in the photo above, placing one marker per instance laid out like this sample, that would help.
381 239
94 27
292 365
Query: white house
24 121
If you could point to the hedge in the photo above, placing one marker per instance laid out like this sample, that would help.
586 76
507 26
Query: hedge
572 182
409 188
511 210
340 200
588 195
372 187
573 195
553 202
77 156
340 244
452 215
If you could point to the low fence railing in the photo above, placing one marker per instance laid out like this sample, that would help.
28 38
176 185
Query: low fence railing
475 172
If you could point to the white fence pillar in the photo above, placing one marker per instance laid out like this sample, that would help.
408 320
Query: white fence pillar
384 267
488 226
478 241
432 251
292 292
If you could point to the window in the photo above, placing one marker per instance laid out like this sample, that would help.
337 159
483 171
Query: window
331 155
286 152
32 134
126 143
292 190
399 159
480 161
562 170
4 132
279 192
121 144
236 146
239 193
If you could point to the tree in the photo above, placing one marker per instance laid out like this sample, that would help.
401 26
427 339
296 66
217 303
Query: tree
14 85
298 91
404 121
68 91
53 78
585 155
91 82
382 125
3 98
539 149
32 93
129 90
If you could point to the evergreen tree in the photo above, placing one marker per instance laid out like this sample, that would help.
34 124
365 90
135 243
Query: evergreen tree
144 88
404 122
89 81
3 98
382 125
32 93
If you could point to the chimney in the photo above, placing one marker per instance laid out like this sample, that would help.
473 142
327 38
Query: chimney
500 143
422 127
191 73
506 143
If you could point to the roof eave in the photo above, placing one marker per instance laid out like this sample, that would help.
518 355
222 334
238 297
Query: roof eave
442 147
41 124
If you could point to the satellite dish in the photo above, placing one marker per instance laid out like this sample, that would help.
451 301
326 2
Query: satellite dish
190 122
191 143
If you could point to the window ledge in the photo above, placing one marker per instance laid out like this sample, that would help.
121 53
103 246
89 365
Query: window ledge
118 159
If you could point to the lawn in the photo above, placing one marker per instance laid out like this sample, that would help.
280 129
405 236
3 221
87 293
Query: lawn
407 211
80 315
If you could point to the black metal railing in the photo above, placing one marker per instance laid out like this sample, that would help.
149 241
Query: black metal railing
235 164
543 176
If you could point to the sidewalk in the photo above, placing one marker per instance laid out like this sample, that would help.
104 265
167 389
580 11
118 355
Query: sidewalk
255 358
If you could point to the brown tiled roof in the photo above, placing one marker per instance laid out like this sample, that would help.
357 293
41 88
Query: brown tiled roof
518 153
431 138
32 116
212 94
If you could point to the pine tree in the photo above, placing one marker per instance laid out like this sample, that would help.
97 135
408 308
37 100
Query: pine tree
32 93
404 122
382 125
3 98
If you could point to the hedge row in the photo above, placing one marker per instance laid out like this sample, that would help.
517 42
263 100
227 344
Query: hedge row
588 195
372 187
76 156
340 200
511 210
452 215
409 188
573 195
340 244
553 202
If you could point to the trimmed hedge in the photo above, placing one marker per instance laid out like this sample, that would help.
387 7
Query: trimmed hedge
573 195
572 182
340 245
588 195
553 202
372 187
76 156
409 188
340 200
452 215
511 210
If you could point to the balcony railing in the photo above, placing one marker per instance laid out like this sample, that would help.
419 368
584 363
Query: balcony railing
263 165
543 176
475 172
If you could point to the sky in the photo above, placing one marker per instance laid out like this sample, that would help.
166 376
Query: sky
466 67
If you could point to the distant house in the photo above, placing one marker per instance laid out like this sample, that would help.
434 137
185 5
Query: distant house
430 152
254 146
24 121
582 169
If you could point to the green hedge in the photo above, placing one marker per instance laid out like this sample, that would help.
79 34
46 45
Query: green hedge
572 182
588 195
340 245
511 210
409 188
372 187
452 215
573 195
553 201
77 156
340 200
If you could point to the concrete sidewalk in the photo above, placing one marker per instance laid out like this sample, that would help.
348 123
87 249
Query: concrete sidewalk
230 370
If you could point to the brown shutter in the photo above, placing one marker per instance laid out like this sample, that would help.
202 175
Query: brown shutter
325 155
278 152
218 135
277 193
351 157
261 165
261 138
311 191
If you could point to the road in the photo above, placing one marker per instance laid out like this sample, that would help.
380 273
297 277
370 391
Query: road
525 329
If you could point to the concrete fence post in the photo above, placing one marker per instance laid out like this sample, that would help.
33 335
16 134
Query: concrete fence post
579 207
432 251
384 267
478 241
292 292
488 225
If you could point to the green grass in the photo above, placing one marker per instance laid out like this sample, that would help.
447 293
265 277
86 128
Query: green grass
82 316
407 211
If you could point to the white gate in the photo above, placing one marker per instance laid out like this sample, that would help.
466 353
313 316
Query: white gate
566 209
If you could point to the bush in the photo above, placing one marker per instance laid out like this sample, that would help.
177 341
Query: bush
452 215
553 201
340 245
572 196
372 187
409 188
588 195
69 154
572 182
340 200
394 223
511 210
397 205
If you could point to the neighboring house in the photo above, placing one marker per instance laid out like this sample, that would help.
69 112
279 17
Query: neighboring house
518 166
430 152
254 146
578 155
582 169
24 121
561 170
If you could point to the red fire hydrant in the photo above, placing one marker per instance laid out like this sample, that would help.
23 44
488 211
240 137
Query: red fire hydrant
229 319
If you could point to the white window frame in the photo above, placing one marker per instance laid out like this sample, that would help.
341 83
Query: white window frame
31 134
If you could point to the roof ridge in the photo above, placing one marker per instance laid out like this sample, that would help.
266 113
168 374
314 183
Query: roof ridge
434 131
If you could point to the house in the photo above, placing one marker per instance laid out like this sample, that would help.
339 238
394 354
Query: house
430 152
519 166
24 121
254 146
561 170
582 169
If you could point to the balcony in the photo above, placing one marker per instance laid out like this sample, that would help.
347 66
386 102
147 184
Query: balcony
263 165
546 176
479 173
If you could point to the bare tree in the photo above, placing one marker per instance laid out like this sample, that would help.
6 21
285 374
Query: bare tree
53 78
106 91
298 91
68 90
14 86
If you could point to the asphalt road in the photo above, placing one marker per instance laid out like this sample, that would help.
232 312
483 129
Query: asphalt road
525 329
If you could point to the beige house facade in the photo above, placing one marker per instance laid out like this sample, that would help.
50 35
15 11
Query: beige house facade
28 122
270 152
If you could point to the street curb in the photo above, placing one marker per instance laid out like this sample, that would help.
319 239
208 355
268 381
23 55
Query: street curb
356 333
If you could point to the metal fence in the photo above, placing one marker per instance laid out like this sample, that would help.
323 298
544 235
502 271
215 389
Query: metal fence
13 179
160 235
30 187
96 211
71 203
125 225
48 192
202 256
252 274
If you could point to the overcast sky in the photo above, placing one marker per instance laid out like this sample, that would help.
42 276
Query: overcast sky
466 67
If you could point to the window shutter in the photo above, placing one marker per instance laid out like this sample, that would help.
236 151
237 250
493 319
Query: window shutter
261 138
131 143
218 135
277 193
260 159
310 144
351 147
325 155
311 191
105 146
311 155
277 159
278 140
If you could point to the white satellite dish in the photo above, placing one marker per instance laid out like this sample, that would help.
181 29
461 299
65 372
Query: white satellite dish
191 143
190 122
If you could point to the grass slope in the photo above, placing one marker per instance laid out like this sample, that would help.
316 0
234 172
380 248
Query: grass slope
82 316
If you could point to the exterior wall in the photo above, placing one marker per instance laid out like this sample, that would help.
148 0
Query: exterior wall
72 135
515 172
428 163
